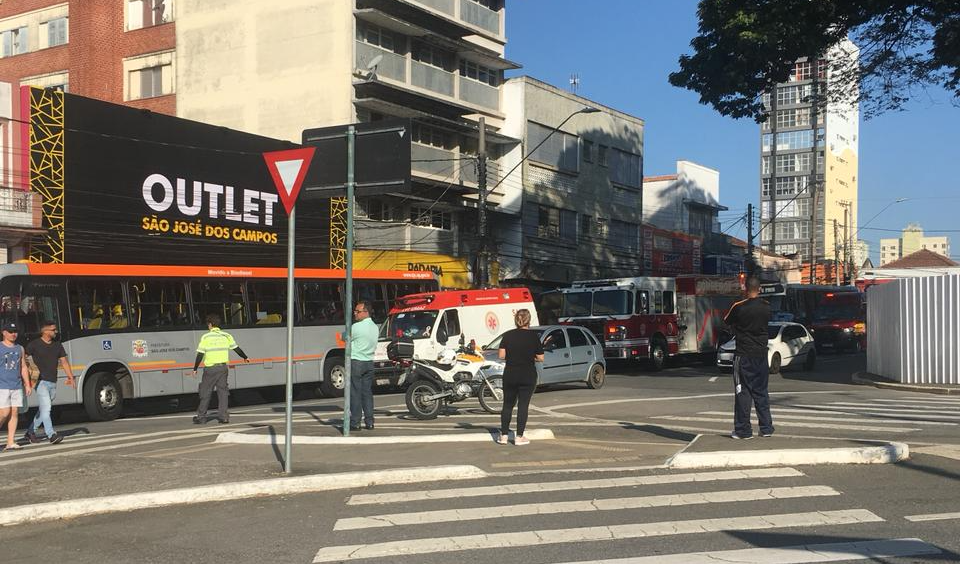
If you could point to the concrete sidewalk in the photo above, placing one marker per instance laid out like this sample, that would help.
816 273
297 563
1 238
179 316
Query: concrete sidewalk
877 381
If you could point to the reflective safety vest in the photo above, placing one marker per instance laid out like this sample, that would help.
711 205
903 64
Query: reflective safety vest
216 346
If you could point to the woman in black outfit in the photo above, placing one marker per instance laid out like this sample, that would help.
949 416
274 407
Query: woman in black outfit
521 349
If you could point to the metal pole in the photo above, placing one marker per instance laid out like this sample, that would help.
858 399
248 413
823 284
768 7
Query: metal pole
773 172
815 96
483 265
291 263
836 256
348 282
847 261
749 240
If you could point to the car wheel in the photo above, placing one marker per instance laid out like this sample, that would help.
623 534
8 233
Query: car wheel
775 364
811 361
596 378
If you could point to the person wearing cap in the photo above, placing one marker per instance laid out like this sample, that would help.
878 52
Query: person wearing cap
13 375
214 350
47 354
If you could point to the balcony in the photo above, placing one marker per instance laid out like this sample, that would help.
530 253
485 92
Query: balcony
19 209
391 65
450 18
446 6
480 94
446 166
480 16
431 78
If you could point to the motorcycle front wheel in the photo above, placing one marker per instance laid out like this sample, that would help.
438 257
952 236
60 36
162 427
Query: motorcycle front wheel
417 405
492 401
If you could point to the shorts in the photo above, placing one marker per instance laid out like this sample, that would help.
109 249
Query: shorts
11 398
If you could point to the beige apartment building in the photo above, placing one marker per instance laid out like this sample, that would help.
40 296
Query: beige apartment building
277 68
910 241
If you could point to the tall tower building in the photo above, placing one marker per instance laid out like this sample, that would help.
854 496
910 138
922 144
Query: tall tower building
809 195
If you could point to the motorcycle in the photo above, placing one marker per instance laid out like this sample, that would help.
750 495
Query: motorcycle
456 375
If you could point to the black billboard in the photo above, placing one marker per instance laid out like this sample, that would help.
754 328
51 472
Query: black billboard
145 188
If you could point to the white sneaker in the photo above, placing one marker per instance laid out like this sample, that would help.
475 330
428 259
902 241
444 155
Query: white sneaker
521 440
738 437
503 439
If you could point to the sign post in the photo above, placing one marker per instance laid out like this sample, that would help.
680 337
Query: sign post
288 169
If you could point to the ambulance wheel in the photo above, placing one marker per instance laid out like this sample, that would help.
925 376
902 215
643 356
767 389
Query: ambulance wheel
334 377
775 364
596 378
103 397
658 355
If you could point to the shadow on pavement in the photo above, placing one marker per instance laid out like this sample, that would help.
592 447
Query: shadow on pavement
775 540
660 431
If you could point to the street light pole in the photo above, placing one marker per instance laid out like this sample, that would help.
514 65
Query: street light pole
483 256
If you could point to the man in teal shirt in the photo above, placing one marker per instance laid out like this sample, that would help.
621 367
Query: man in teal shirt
363 343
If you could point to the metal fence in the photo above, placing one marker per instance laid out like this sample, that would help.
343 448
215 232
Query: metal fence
913 330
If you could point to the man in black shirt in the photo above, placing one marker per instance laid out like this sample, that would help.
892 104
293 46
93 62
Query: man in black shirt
48 355
751 373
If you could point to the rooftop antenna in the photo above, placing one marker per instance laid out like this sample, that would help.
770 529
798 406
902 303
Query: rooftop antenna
574 83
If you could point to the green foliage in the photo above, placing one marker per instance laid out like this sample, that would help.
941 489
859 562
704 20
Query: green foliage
744 47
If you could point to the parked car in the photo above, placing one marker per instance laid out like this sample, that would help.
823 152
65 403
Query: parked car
570 354
787 344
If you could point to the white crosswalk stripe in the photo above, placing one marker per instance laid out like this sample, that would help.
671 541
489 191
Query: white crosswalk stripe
819 510
920 407
808 425
881 410
808 415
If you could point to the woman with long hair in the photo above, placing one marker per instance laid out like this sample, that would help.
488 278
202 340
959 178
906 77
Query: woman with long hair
521 349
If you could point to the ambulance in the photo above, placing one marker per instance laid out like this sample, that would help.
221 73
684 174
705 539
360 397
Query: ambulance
423 325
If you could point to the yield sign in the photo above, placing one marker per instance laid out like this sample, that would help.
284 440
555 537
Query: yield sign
288 169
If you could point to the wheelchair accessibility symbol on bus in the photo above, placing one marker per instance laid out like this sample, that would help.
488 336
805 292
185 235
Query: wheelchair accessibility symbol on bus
107 345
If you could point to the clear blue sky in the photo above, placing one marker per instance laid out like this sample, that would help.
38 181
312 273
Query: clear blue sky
624 50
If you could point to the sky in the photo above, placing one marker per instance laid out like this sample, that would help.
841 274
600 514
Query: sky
624 51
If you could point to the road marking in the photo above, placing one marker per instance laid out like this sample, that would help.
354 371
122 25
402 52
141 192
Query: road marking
782 414
589 534
931 401
945 451
567 462
875 406
669 398
714 379
553 508
241 438
804 554
166 452
895 412
626 481
796 424
932 517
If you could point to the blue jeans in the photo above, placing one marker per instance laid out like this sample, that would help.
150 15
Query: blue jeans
361 391
752 376
46 393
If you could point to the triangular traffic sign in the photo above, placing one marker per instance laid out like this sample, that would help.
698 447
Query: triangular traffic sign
288 169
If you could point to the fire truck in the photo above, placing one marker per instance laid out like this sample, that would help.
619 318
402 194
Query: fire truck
652 318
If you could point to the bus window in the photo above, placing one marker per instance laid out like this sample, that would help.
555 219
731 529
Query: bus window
643 302
399 289
222 297
29 312
158 303
321 303
97 304
268 301
668 302
372 293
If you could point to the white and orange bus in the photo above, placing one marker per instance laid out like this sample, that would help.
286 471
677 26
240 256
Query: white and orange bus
131 330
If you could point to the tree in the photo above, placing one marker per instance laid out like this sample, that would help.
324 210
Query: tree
744 47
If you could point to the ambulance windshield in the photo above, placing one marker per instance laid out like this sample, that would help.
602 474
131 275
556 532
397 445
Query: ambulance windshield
410 325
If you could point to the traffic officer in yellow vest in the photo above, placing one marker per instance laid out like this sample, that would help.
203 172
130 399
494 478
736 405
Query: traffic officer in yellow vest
214 350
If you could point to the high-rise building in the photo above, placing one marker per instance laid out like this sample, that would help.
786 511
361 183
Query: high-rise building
910 241
809 196
277 68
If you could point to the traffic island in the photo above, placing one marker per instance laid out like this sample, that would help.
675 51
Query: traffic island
877 381
721 451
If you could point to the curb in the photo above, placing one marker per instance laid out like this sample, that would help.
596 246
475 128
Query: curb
58 510
887 453
868 379
245 439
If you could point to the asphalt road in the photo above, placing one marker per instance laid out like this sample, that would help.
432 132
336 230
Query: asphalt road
549 502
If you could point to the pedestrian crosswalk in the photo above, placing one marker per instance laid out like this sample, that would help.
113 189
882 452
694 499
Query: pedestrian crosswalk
883 416
628 515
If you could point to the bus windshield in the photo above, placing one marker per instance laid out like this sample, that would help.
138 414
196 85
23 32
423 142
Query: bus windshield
410 325
612 302
845 311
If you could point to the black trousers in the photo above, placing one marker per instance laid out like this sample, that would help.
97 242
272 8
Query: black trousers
520 396
750 378
214 377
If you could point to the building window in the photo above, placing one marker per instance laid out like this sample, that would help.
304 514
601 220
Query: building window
426 135
625 235
149 76
479 72
431 55
794 117
150 81
587 151
554 148
799 162
378 209
602 155
801 71
15 42
148 13
555 223
380 37
625 168
586 227
792 140
53 33
431 217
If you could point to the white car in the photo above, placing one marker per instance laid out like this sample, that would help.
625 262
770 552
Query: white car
788 344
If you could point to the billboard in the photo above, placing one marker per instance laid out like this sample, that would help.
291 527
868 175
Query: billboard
128 186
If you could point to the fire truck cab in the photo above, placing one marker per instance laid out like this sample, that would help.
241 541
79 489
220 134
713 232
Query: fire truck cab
651 318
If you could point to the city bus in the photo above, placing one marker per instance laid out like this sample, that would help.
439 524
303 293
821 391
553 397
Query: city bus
131 331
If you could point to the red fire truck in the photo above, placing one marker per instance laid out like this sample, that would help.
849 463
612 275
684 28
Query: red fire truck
651 317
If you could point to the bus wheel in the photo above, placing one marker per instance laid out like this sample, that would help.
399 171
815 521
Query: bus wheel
334 377
658 355
102 397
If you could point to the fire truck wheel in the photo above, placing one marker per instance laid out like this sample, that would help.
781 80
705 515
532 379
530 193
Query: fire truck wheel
775 364
596 378
658 355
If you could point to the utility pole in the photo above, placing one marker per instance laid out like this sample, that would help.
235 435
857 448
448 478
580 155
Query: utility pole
773 172
836 256
483 258
847 266
815 96
749 240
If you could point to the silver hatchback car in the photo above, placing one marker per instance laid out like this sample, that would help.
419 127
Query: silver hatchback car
570 354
